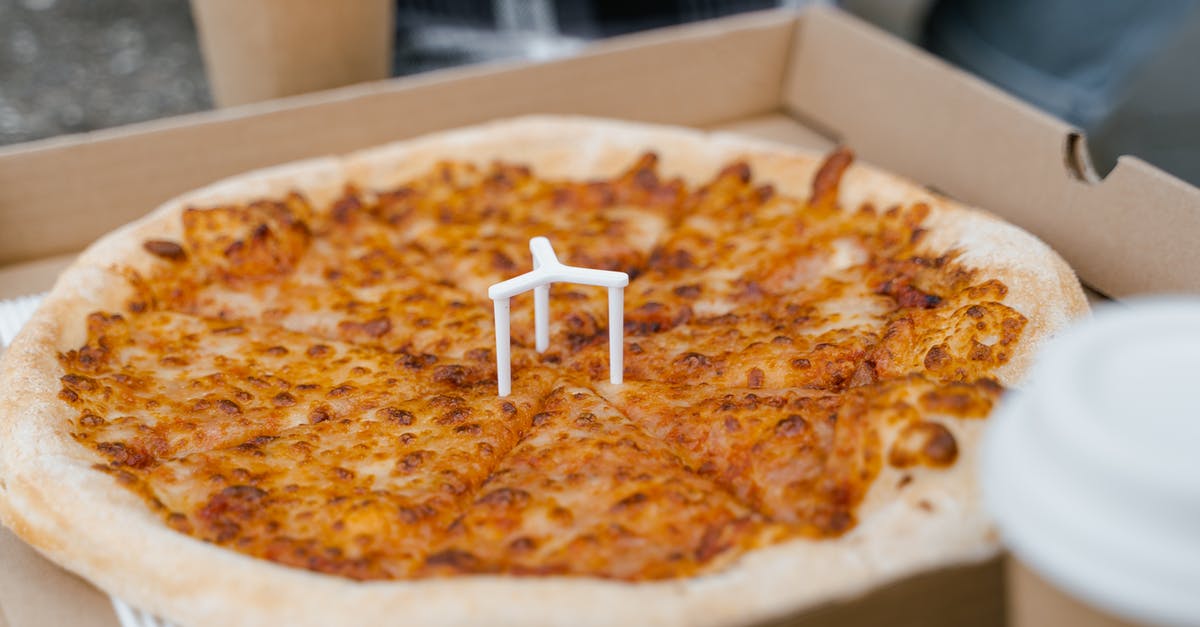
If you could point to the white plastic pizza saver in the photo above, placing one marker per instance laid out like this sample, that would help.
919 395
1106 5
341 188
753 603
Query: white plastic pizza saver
547 269
1092 473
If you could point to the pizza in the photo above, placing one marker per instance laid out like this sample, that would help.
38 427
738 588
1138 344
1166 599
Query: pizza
274 400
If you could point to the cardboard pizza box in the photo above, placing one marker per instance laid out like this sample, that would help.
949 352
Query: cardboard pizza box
271 48
814 78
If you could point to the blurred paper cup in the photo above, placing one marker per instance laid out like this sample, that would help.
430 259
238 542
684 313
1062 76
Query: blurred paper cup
261 49
1092 472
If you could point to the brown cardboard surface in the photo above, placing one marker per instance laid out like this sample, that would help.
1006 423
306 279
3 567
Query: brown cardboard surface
911 113
966 595
780 128
808 80
1034 602
270 48
35 592
32 277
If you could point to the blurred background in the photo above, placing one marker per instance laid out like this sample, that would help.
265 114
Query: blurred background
1125 71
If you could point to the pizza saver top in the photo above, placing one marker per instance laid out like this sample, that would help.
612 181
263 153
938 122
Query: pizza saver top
1092 473
548 269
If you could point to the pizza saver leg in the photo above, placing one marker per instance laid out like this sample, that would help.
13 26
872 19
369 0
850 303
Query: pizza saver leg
547 269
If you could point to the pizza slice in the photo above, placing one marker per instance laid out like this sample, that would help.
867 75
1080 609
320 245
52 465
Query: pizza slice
478 227
833 302
348 275
362 495
408 268
587 492
157 385
479 233
325 455
805 457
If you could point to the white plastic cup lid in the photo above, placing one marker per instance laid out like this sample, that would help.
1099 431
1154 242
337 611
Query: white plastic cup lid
1092 473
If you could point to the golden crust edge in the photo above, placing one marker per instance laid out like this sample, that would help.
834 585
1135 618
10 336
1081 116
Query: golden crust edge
186 580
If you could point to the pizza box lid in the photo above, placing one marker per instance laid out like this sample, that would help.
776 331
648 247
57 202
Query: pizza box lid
812 78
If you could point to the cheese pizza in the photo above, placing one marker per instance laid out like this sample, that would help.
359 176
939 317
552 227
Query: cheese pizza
273 400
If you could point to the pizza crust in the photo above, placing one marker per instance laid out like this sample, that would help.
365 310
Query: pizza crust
85 521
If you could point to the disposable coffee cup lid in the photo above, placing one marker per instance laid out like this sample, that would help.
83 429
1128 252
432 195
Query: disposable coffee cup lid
1092 472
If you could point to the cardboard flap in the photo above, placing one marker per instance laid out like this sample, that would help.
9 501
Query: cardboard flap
1137 229
59 195
975 143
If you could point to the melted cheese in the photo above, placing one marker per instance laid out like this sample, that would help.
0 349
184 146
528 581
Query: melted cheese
315 385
